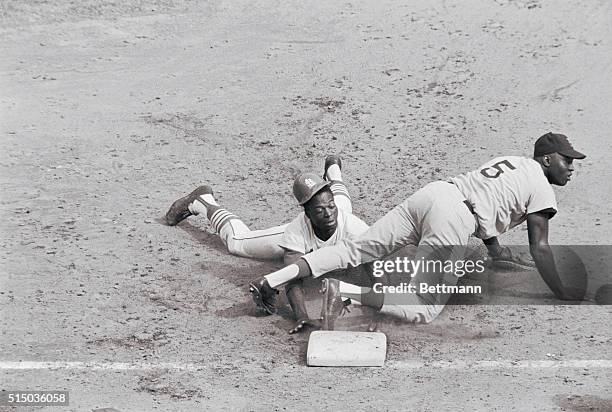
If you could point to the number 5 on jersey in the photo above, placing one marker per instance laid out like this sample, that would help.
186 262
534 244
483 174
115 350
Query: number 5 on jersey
496 170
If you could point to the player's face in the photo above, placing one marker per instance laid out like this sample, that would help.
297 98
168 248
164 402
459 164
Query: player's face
560 169
322 211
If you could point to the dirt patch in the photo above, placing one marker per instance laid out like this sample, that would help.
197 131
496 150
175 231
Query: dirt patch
327 103
160 384
583 403
143 340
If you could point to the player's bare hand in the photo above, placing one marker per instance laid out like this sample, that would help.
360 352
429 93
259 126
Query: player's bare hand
375 321
373 326
302 323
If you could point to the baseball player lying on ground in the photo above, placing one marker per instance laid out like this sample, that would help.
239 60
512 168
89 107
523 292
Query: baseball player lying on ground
486 202
326 220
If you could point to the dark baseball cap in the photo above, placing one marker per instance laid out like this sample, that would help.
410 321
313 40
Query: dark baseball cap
555 143
307 185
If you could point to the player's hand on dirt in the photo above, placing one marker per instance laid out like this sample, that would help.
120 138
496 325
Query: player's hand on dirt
373 326
302 323
508 260
375 321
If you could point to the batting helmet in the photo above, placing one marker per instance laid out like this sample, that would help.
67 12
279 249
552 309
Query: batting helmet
306 186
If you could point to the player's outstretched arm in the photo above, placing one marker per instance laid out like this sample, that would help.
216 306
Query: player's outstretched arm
291 256
295 295
537 227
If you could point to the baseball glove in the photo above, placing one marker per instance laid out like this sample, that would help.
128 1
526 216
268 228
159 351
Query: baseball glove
264 295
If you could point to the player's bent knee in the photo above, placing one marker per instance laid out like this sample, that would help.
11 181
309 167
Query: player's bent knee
423 314
431 313
427 319
232 247
236 247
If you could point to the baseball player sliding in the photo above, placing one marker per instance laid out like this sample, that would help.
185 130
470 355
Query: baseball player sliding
439 218
326 220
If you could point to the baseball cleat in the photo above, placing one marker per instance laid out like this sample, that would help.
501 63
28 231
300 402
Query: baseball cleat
331 160
179 210
507 260
333 306
264 295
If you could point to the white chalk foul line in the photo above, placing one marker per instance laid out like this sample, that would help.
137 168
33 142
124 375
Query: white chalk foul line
503 364
121 366
180 366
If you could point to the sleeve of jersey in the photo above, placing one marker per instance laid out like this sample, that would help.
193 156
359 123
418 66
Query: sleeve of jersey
293 238
542 199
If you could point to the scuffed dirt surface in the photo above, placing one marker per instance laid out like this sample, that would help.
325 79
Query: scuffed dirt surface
111 110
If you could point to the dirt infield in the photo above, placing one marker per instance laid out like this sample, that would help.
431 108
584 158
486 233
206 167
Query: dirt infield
111 110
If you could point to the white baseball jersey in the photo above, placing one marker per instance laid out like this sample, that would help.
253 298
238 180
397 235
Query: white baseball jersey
300 236
504 191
